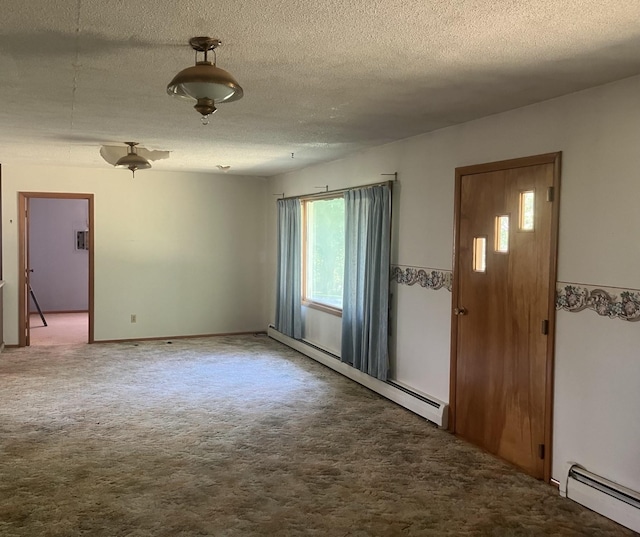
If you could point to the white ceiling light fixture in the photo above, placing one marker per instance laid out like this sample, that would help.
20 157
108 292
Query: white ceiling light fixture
132 160
204 82
113 153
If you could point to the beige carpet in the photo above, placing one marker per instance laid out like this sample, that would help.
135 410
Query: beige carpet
61 329
240 436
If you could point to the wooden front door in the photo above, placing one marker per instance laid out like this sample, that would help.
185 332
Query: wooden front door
504 288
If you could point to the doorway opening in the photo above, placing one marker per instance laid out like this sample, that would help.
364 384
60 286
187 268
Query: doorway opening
56 268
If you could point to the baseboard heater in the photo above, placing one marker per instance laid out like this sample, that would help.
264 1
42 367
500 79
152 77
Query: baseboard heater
602 496
426 406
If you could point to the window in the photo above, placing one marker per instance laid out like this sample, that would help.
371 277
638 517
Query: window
323 253
527 210
479 254
502 234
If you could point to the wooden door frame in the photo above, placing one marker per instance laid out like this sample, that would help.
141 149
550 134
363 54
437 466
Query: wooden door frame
547 158
23 199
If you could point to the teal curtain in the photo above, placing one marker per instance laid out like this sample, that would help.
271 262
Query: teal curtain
365 307
289 284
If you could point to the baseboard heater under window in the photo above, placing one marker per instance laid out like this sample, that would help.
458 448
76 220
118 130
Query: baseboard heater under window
426 406
602 496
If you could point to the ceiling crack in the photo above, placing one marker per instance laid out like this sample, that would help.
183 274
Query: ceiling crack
76 68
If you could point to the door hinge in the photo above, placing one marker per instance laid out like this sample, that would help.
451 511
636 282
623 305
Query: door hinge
541 451
550 193
545 327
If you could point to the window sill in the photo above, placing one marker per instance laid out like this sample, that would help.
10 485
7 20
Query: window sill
322 307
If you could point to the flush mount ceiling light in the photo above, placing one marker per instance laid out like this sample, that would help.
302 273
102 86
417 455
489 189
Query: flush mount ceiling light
132 160
205 83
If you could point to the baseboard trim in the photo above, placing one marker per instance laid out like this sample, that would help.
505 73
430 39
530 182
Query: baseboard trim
430 408
162 338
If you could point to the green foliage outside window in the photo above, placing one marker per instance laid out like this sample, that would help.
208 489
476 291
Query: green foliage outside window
325 251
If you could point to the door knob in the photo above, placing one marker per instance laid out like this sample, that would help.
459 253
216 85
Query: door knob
460 311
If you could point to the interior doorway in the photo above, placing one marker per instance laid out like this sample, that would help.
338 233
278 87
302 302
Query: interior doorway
56 268
504 308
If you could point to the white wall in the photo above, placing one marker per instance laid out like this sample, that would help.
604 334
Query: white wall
182 251
322 330
597 401
60 277
597 359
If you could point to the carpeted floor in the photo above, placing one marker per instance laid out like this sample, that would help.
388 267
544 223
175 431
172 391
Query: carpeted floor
61 329
241 436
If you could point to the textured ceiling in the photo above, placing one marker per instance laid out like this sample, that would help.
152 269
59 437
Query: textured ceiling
321 79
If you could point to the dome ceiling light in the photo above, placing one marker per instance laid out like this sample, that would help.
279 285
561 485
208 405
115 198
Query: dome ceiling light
132 160
204 82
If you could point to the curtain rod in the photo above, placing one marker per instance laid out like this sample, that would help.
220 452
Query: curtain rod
330 193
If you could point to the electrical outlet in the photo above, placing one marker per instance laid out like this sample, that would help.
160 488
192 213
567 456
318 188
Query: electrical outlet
133 318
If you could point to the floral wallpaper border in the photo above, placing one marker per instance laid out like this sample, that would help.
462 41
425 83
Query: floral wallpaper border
621 304
429 278
612 303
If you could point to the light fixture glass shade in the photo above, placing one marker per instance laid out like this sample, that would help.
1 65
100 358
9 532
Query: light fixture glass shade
132 160
205 81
